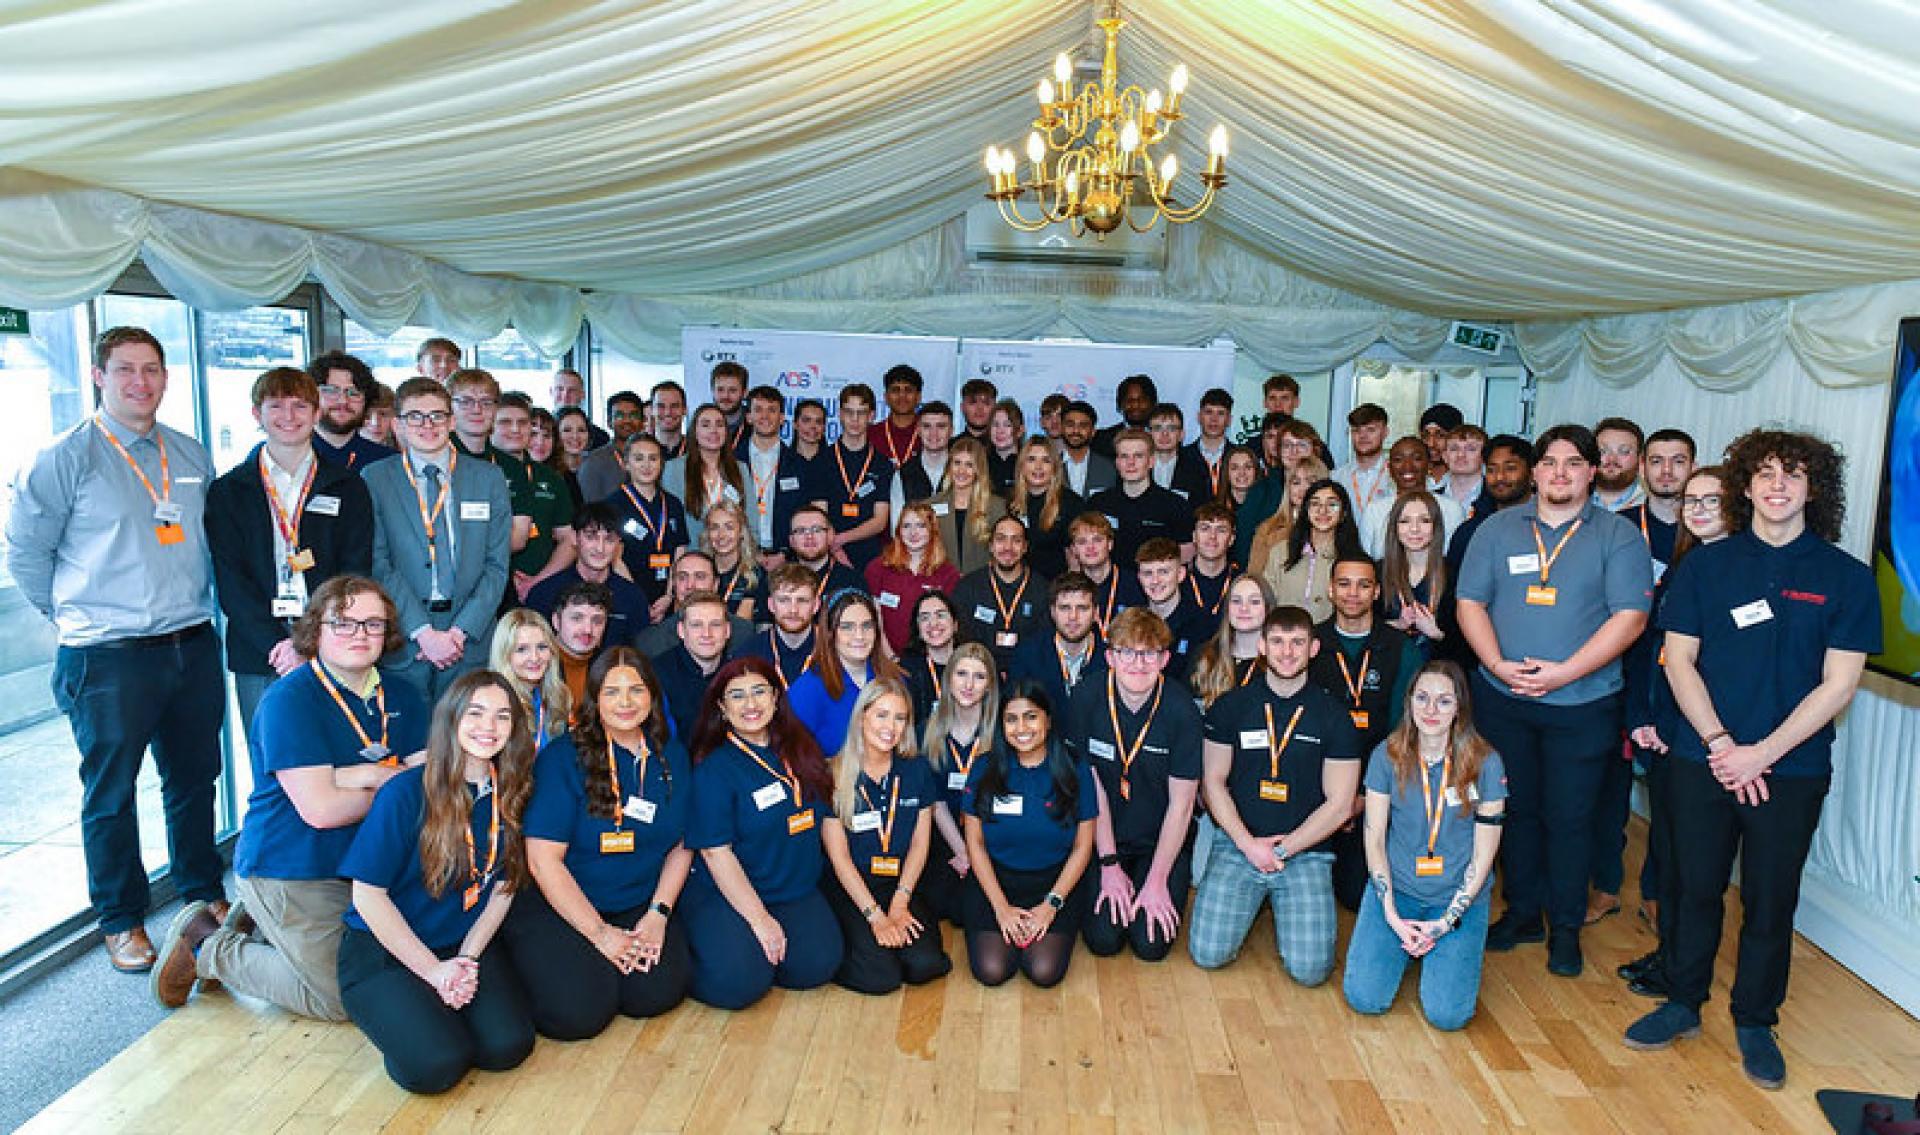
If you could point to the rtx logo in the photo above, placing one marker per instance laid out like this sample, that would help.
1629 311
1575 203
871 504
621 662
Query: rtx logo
711 355
989 369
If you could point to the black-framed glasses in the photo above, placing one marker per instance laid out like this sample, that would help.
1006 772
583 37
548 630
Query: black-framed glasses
418 418
351 628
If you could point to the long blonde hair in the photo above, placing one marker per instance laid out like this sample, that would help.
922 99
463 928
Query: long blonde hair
749 550
1215 672
853 750
555 698
980 499
1056 485
940 724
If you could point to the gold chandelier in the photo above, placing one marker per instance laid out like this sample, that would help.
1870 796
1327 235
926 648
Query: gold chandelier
1090 156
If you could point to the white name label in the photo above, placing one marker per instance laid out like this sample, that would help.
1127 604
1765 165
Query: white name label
887 599
864 822
1528 564
1758 611
1102 749
640 809
769 795
1006 805
941 508
476 510
789 484
956 781
985 614
1253 738
325 506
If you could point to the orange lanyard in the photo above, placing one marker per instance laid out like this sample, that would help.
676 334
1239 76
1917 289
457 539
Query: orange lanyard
861 479
1353 687
657 530
733 581
965 768
166 476
353 719
791 779
1007 609
760 485
1546 561
431 517
893 804
1113 597
1435 814
1193 584
289 524
639 777
933 672
773 647
1353 482
1275 748
1129 752
893 450
1066 675
1253 667
474 874
1213 468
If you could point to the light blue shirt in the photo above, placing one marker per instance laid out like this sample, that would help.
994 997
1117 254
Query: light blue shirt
82 542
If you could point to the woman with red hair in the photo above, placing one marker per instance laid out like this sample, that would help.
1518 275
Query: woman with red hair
915 562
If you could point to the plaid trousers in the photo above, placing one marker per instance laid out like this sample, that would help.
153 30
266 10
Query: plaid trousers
1229 896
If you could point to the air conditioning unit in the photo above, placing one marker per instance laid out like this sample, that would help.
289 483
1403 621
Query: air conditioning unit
990 240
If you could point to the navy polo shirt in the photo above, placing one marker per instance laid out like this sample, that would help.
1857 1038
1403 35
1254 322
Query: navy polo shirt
557 811
788 662
299 726
1038 658
852 484
1238 720
1022 826
1167 750
386 854
651 531
357 454
1603 569
957 767
868 835
737 803
630 615
1765 618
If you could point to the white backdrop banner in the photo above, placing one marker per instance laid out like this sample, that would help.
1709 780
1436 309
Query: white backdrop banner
1027 372
811 364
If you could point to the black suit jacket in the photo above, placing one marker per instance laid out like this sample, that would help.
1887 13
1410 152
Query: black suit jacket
240 536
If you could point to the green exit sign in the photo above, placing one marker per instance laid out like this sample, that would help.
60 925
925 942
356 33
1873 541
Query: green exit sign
13 321
1478 337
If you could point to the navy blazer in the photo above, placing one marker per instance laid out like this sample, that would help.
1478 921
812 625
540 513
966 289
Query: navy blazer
240 524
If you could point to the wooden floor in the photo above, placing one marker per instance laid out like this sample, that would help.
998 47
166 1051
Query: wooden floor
1119 1046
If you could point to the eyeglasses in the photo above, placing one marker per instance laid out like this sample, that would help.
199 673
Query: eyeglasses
1618 450
1132 657
750 693
811 530
417 418
350 628
469 402
1692 504
350 393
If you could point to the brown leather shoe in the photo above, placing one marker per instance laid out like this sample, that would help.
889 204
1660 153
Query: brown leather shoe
130 951
238 920
174 977
219 908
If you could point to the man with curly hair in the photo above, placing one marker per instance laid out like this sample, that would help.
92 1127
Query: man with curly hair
1766 634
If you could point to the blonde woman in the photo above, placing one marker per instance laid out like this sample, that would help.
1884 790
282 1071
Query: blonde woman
525 654
1272 532
1231 658
959 731
967 507
1043 502
877 841
728 538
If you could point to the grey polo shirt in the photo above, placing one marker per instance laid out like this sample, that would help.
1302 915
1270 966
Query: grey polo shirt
1604 569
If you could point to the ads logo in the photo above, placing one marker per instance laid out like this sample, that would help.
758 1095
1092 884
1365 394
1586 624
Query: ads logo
804 378
1075 390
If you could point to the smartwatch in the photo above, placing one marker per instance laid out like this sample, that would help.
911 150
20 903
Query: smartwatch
1110 860
1055 901
664 910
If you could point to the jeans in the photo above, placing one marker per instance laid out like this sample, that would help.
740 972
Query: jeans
1449 973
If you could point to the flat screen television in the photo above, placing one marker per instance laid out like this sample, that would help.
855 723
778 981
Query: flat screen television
1896 540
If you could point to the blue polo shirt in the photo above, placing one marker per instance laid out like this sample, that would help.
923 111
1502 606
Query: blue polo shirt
557 811
1021 825
1765 618
386 853
624 624
876 806
1603 569
825 716
299 726
737 803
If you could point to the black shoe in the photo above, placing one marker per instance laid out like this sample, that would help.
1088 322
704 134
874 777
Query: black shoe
1760 1056
1639 965
1563 954
1651 982
1511 930
1663 1026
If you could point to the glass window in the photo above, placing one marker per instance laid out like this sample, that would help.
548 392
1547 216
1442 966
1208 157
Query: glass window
614 372
518 366
236 347
390 356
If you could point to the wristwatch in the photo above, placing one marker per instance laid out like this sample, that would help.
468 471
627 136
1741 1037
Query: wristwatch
1055 901
1110 860
664 910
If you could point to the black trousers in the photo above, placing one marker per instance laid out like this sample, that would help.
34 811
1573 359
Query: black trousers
428 1047
1611 812
121 700
1659 876
869 967
572 990
1555 757
1105 937
940 885
1772 840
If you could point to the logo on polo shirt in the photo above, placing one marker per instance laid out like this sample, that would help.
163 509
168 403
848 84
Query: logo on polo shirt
1803 596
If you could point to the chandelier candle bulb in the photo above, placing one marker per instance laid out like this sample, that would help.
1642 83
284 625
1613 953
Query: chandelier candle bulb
1063 73
1177 86
1046 92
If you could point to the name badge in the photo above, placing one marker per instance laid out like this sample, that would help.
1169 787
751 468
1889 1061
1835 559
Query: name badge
957 781
1427 866
476 510
1758 611
941 508
660 561
169 512
1452 796
616 843
287 608
789 484
864 822
1253 738
1273 791
1659 572
884 866
301 560
470 897
1006 639
887 599
1360 718
1101 749
375 752
984 614
640 809
768 795
1538 596
800 822
850 510
1006 805
324 506
1528 564
866 488
169 534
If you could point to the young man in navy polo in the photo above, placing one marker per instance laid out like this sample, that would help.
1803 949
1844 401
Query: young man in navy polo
1766 634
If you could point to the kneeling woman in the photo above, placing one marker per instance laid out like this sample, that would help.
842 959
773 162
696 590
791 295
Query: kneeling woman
604 842
1029 813
434 868
1436 794
878 842
755 915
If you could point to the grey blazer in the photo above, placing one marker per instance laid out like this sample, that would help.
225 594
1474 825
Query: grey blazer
600 474
481 514
1101 474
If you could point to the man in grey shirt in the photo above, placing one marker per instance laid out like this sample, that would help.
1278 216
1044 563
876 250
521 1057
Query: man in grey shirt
106 539
1551 593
